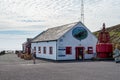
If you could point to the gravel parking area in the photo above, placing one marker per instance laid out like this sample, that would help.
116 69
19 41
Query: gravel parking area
18 69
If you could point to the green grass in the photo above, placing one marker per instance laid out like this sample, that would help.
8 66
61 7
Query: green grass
114 32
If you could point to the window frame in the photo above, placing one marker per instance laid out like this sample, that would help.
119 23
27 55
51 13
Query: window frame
90 50
68 50
44 50
50 50
34 49
39 49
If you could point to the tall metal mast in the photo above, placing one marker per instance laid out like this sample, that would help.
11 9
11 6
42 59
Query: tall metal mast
82 11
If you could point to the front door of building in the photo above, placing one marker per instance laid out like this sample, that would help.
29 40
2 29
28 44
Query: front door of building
79 53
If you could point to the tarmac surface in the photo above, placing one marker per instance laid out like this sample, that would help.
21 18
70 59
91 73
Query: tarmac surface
14 68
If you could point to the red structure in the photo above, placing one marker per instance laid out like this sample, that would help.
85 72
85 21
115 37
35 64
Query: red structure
104 48
79 53
27 46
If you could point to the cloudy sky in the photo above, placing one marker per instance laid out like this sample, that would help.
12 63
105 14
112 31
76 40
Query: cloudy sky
20 19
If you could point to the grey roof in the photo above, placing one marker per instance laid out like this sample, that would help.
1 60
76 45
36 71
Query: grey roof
53 33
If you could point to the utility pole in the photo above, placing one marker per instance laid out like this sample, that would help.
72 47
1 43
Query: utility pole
82 11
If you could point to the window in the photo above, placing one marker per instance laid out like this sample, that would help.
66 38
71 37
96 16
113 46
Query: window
90 50
39 49
34 49
68 50
44 50
50 50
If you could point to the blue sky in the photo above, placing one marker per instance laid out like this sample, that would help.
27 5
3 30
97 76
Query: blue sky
20 19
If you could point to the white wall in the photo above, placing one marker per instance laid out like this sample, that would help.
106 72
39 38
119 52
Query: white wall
47 45
69 40
66 40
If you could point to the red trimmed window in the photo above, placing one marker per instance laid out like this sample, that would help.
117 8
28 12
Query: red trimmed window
34 49
44 50
68 50
90 50
50 50
39 49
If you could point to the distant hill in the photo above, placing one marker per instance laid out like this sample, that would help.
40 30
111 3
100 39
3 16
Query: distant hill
114 33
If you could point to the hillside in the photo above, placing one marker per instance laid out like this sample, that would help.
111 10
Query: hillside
114 33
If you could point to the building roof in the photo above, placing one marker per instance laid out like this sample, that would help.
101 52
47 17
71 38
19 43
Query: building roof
53 33
27 41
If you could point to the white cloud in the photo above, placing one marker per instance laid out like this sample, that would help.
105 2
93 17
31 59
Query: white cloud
40 10
99 11
38 15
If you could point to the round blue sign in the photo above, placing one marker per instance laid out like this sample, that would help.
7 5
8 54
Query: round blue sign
79 33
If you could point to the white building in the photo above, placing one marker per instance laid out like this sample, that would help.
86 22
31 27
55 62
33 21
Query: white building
68 42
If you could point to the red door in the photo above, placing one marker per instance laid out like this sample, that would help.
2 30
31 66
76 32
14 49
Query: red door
79 53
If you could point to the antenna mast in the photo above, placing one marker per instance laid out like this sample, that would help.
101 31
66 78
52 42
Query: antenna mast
82 11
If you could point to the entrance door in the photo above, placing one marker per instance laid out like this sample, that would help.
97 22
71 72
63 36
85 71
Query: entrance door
79 53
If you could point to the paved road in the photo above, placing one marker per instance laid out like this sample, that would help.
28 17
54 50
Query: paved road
17 69
13 59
